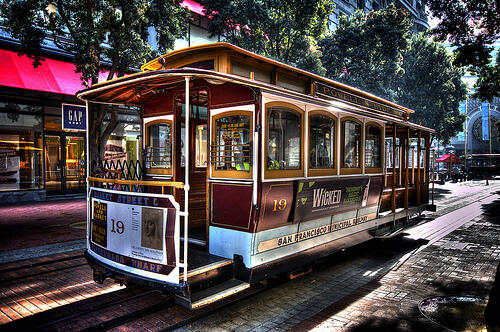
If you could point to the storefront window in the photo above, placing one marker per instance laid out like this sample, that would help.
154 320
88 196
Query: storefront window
283 139
372 147
351 144
231 148
321 141
20 150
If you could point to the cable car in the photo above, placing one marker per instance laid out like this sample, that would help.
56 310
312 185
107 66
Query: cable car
250 168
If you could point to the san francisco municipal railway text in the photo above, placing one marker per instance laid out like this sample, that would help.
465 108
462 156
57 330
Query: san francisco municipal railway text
313 232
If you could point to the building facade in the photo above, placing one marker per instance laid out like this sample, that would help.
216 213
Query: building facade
39 155
347 7
480 134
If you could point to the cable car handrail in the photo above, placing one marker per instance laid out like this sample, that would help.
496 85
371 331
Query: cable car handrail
230 145
178 185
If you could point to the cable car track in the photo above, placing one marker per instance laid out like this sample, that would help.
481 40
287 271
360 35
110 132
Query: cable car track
78 313
16 273
31 265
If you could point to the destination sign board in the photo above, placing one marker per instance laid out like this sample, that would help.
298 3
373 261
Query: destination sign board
140 231
330 92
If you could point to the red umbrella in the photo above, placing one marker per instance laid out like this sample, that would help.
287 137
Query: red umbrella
448 158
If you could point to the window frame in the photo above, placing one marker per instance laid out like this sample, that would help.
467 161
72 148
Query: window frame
283 173
322 171
161 171
353 170
196 167
382 148
190 60
230 174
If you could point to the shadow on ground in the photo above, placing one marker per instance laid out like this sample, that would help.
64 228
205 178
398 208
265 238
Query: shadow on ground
391 249
492 211
439 192
409 317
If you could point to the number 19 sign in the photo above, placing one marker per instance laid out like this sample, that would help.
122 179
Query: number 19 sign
136 230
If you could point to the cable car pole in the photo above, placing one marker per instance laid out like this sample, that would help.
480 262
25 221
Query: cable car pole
186 179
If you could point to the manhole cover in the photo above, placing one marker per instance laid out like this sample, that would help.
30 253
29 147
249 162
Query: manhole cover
456 313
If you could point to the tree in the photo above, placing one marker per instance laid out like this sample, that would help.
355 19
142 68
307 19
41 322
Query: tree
471 26
433 87
377 53
99 35
366 51
283 30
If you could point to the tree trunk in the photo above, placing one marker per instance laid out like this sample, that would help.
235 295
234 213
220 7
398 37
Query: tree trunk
99 133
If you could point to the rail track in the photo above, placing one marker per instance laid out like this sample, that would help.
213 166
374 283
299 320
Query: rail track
14 273
81 315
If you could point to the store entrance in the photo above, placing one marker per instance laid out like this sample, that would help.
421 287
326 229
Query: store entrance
64 163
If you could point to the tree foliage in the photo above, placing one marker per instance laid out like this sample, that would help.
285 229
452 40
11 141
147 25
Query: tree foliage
432 86
100 36
283 30
377 53
471 26
366 51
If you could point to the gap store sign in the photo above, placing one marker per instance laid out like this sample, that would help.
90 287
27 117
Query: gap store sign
74 117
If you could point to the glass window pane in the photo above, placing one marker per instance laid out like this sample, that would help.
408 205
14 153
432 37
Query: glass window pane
372 147
351 142
159 149
389 152
205 64
198 105
75 162
232 148
284 139
20 151
321 141
201 146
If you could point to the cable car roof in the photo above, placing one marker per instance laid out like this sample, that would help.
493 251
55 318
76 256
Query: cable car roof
136 89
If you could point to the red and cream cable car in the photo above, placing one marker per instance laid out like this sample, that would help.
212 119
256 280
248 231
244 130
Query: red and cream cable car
274 168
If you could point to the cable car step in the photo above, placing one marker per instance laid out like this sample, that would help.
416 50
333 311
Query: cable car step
212 294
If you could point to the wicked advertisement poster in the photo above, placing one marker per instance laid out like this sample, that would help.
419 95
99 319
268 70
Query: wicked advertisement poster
325 197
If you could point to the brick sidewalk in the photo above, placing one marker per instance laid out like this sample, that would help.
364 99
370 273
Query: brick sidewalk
461 264
42 223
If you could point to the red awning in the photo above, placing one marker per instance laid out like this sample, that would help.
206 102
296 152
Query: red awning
448 158
52 76
193 6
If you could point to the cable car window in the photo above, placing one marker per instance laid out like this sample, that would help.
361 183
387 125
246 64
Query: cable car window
198 104
389 150
159 146
198 112
351 144
201 146
321 141
204 64
372 147
231 147
283 139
